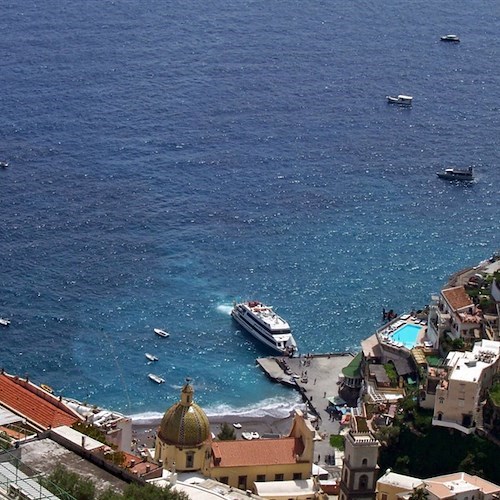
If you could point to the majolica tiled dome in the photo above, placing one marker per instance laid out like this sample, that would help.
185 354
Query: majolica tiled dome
184 423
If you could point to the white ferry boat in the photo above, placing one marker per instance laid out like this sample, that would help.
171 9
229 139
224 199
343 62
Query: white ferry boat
265 325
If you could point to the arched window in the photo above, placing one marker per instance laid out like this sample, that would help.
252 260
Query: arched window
364 461
189 460
363 482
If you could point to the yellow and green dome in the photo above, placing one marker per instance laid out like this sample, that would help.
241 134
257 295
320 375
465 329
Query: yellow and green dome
184 423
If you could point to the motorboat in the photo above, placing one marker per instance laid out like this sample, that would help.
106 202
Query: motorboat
156 378
402 100
255 435
247 435
237 425
151 357
450 38
457 174
266 326
161 333
4 322
4 164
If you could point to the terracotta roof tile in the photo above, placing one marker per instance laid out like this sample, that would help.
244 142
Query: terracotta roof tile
22 398
257 452
457 298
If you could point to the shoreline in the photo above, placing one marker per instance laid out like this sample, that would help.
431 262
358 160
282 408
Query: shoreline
145 434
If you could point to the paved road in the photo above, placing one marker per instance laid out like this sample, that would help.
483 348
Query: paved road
318 375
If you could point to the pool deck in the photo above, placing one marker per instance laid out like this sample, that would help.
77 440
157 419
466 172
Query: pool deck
315 376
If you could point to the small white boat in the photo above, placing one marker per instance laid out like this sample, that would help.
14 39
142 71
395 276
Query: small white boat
247 435
151 357
4 164
4 322
156 378
255 435
161 333
237 425
402 100
450 38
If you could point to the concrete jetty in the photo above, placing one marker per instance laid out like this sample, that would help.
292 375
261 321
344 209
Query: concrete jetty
316 377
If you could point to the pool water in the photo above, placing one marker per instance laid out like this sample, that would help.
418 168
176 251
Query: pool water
407 334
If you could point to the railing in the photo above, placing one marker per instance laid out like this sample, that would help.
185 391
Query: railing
19 481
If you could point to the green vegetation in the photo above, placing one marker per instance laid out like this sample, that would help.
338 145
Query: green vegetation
337 441
392 374
79 488
90 431
226 433
494 393
419 494
5 442
438 451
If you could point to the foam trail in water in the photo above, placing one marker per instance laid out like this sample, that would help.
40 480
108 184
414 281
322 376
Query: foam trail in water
273 407
224 308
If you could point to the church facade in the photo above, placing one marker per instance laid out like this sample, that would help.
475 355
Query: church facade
184 444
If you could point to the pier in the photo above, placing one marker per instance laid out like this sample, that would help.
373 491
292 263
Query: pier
316 377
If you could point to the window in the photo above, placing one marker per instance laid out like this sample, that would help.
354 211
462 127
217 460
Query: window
242 482
363 482
189 460
365 461
261 478
224 479
297 476
278 477
384 496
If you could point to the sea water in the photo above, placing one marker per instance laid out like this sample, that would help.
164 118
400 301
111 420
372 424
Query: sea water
167 159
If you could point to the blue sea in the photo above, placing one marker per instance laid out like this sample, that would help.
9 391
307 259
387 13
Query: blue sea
169 158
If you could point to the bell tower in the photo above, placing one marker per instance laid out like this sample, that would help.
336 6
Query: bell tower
359 470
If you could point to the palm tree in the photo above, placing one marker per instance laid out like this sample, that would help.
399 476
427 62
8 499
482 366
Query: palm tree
419 494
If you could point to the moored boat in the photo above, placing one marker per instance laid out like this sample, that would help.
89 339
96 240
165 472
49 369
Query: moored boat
4 322
402 100
156 378
450 38
266 326
151 357
161 333
457 174
4 164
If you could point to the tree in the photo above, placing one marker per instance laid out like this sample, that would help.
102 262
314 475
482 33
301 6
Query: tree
419 494
70 482
226 433
147 492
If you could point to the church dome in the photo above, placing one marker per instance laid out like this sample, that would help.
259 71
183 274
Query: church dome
184 423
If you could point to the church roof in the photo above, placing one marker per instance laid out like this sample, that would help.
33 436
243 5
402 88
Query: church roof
257 452
184 423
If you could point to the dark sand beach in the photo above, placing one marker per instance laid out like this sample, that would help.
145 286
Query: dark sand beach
146 434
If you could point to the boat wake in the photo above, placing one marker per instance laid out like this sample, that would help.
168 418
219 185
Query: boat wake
225 309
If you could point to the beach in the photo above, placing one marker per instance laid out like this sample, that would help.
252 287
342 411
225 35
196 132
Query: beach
145 434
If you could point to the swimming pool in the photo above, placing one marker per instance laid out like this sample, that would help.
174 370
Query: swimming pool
407 334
